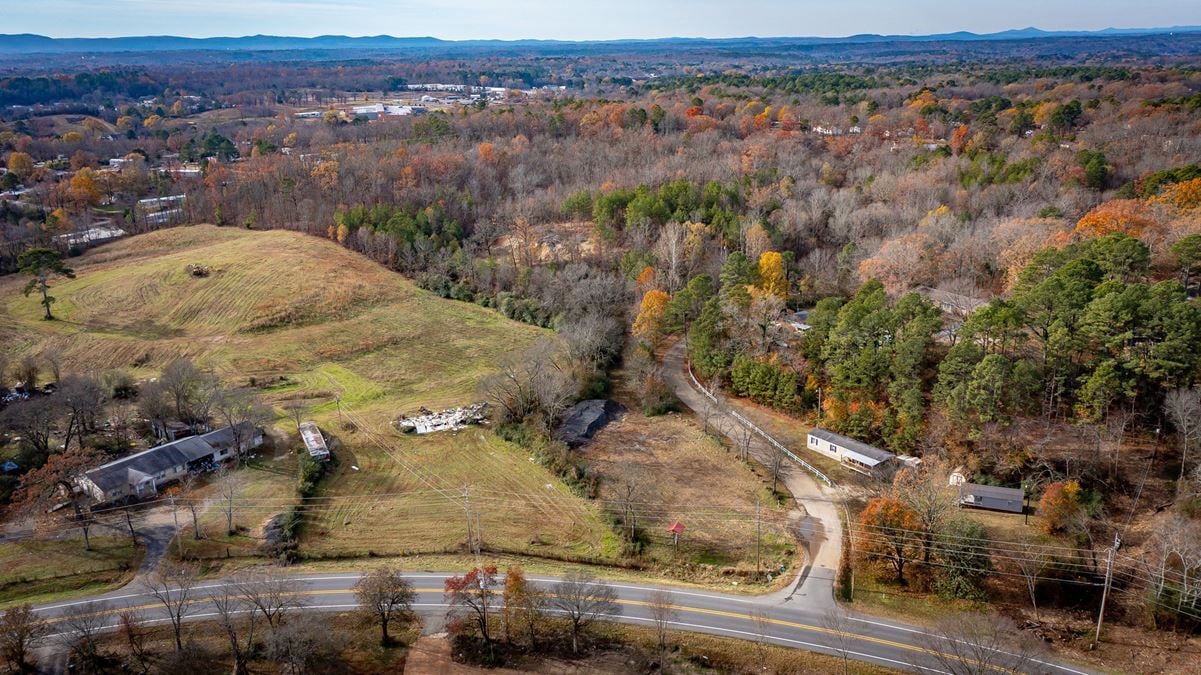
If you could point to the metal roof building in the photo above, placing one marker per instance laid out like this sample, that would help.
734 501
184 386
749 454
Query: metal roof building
991 497
314 442
854 454
140 474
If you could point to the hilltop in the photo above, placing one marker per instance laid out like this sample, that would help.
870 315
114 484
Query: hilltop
274 304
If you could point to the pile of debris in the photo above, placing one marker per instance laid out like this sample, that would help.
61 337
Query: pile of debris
199 270
427 421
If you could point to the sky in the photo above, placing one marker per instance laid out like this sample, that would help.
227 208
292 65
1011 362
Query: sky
577 19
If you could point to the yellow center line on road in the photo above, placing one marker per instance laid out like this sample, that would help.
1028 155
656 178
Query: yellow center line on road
742 616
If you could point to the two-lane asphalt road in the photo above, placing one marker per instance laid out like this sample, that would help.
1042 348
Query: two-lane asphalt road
786 622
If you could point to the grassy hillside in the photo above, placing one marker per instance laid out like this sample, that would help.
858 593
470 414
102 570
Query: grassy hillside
311 321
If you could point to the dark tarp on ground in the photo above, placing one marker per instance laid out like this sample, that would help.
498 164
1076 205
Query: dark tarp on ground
585 419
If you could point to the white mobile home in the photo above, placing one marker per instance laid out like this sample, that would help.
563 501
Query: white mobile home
991 497
314 442
853 454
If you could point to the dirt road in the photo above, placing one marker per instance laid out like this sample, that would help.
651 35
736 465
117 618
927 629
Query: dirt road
820 529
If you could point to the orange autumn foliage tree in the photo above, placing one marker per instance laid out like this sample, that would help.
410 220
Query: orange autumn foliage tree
646 279
648 325
959 139
890 533
1127 216
1060 505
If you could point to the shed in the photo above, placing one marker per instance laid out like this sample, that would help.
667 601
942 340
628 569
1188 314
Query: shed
991 497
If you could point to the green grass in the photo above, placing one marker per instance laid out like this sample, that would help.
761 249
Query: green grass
40 570
312 322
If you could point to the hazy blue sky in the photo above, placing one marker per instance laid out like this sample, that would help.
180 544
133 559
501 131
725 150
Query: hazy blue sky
576 19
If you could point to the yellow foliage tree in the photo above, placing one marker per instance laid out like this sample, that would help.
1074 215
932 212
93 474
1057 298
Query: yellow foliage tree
21 164
151 121
85 189
648 325
772 278
57 221
1185 195
72 137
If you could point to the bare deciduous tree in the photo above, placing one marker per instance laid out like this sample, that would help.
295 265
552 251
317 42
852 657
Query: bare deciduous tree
229 604
975 644
927 492
20 633
838 637
53 356
1031 560
1183 407
172 585
227 488
670 250
83 399
270 593
303 644
583 600
129 625
242 412
661 606
189 484
537 381
385 595
84 624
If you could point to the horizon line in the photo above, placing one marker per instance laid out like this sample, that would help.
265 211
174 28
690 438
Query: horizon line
1050 31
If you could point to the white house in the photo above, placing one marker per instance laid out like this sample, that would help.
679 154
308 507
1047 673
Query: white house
853 454
141 474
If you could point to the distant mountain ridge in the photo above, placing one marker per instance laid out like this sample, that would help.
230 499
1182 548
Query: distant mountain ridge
33 44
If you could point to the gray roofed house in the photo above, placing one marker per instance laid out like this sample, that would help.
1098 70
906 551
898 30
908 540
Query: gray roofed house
951 302
991 497
142 473
853 454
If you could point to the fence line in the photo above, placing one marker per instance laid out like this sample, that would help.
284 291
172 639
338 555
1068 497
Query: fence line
763 434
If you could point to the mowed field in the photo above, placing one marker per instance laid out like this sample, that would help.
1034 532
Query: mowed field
681 474
306 320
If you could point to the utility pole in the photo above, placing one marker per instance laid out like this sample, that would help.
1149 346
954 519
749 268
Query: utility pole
129 523
1117 541
758 534
467 512
479 537
175 517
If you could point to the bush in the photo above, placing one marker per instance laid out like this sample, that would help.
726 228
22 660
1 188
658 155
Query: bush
311 472
554 455
656 398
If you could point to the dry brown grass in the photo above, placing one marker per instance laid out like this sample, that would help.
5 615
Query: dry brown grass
688 476
358 345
